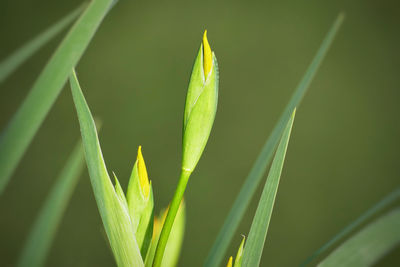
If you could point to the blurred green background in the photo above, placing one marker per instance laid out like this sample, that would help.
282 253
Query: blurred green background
342 157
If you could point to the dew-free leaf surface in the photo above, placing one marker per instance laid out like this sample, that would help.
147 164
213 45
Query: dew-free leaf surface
112 204
368 245
258 232
221 244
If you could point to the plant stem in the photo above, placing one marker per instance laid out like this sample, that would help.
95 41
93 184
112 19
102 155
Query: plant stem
169 220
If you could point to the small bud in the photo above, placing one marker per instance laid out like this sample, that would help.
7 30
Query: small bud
239 256
201 105
141 203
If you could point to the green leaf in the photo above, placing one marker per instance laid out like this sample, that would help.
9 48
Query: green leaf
384 203
44 229
13 61
26 121
112 208
368 245
258 232
259 168
144 232
120 193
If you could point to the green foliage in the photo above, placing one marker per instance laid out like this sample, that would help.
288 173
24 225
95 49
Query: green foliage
45 226
259 168
259 228
137 238
239 255
110 201
368 245
13 61
26 121
381 205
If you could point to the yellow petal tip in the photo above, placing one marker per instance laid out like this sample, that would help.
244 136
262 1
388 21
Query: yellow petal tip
230 262
143 177
207 55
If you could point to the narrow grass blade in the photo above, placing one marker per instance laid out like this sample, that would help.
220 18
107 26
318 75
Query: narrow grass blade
21 129
218 250
13 61
368 245
44 229
259 228
384 203
112 205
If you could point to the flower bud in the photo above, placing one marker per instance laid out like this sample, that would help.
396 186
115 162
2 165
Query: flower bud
239 256
201 105
140 203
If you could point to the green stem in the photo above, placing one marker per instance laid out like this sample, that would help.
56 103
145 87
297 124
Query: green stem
169 221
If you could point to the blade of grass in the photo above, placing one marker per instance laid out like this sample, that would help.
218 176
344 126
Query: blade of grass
258 232
218 250
44 229
384 203
13 61
113 210
368 245
21 129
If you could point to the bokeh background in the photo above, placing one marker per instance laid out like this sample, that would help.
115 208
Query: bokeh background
342 157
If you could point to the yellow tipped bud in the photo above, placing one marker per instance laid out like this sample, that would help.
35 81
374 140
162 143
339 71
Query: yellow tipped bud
143 178
200 107
230 262
207 55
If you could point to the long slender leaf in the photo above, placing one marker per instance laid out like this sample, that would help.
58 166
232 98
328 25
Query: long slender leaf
26 121
384 203
13 61
112 205
259 228
368 245
259 168
44 229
